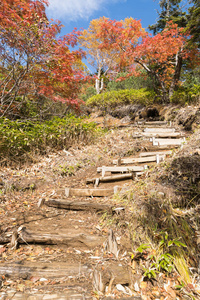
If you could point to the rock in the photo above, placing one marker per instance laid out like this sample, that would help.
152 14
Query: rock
149 113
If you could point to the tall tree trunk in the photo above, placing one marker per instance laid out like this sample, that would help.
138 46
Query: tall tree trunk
177 73
99 82
99 85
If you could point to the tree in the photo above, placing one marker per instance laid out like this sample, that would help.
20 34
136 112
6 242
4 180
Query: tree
161 56
108 60
33 62
171 10
194 21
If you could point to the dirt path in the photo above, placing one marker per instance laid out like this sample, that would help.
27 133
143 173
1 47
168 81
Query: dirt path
71 253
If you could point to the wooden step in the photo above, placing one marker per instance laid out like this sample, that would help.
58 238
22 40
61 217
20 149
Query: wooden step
157 158
162 134
160 142
43 270
71 240
144 154
151 123
144 122
158 148
69 192
105 169
52 270
78 206
158 130
110 178
76 293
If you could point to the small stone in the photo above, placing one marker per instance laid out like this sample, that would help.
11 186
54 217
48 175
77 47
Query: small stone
121 288
43 279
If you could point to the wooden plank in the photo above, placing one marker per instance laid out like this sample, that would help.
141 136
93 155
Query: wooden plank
155 148
157 141
89 192
120 169
44 270
111 178
162 134
158 130
71 240
52 270
156 123
140 159
78 206
144 154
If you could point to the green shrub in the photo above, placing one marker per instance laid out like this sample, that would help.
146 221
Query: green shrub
19 140
185 95
122 97
133 82
90 91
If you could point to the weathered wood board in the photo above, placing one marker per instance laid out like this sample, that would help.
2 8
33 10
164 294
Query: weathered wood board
149 159
48 270
156 123
159 130
162 134
144 154
78 206
111 178
89 192
152 123
44 270
120 169
71 240
157 141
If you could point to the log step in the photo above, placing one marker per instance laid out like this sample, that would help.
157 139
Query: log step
120 169
44 270
143 122
157 148
162 134
160 142
78 206
90 192
110 178
156 123
71 240
144 154
77 293
53 270
159 130
125 161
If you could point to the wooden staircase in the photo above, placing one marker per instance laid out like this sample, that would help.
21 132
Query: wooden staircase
163 138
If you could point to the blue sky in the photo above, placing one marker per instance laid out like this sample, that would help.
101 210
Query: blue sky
79 13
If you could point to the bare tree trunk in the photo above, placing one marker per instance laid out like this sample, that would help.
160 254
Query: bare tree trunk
99 82
177 73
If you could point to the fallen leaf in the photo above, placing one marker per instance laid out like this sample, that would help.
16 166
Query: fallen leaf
2 250
143 285
20 287
34 279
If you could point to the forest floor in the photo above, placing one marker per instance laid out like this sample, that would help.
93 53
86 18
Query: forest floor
65 269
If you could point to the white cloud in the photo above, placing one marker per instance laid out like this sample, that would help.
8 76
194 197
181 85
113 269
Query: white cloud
72 10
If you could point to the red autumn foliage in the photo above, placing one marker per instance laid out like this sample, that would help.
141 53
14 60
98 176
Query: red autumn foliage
161 56
33 61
